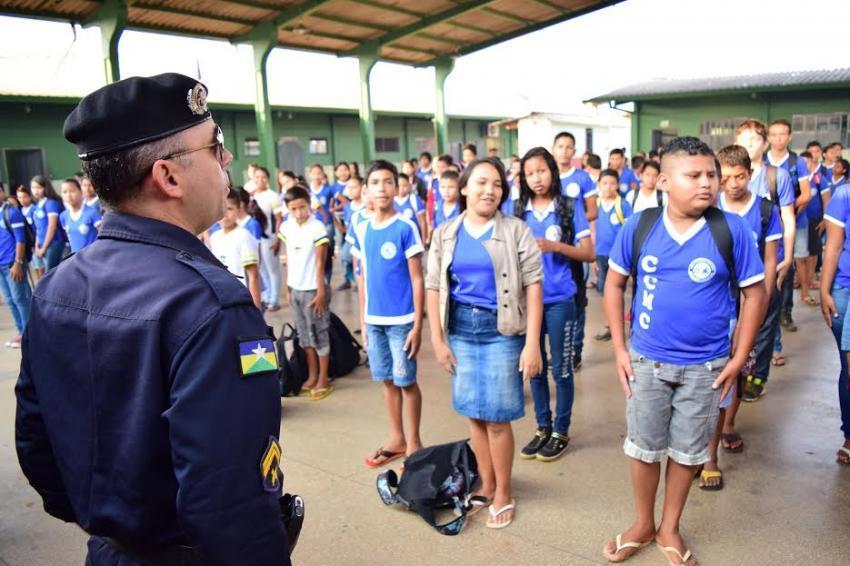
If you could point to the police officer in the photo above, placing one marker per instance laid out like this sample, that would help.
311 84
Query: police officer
148 408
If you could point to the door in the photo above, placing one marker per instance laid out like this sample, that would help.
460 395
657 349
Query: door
23 165
661 137
290 155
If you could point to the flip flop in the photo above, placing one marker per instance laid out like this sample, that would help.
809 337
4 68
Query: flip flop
321 393
811 301
844 461
491 524
710 474
777 360
682 559
475 503
621 546
371 462
731 439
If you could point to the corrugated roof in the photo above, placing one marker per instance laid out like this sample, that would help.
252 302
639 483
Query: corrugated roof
767 81
406 31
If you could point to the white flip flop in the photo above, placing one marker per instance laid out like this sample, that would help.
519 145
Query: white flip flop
494 513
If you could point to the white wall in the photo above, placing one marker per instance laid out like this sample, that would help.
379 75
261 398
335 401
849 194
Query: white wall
540 130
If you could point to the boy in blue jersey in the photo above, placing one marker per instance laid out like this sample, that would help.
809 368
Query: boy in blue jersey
617 162
574 182
409 205
13 268
449 204
80 222
814 212
392 293
343 174
424 169
679 366
355 203
321 196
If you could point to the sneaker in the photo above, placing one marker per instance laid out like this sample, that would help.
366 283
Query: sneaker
576 362
14 342
754 389
555 448
530 450
603 336
788 323
345 286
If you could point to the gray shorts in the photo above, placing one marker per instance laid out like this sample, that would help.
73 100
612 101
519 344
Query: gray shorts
312 328
673 410
801 243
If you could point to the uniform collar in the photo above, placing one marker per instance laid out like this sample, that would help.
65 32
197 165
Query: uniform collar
119 226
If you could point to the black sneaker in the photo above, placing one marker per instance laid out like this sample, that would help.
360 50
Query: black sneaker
603 336
554 449
576 362
345 286
541 437
788 323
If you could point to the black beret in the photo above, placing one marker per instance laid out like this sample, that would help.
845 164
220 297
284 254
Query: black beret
135 111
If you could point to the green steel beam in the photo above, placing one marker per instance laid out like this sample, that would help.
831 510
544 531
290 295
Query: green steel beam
328 36
414 50
442 68
442 39
350 22
476 29
300 11
192 13
437 18
551 6
256 4
111 18
507 16
263 40
367 56
388 8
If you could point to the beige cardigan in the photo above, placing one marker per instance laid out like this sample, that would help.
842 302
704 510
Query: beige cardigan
516 264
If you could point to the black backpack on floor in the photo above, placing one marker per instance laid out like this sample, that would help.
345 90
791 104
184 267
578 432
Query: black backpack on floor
345 350
436 477
292 362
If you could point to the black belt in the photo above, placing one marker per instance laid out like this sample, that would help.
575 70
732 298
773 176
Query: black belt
170 555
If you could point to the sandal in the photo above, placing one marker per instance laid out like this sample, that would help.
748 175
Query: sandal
373 461
683 560
491 521
705 475
811 301
843 456
321 393
731 442
777 360
621 546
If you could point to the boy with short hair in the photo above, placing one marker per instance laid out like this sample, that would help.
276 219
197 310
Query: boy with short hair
679 366
647 195
575 183
355 203
306 244
449 205
424 169
409 205
392 294
617 162
594 167
440 166
469 153
237 249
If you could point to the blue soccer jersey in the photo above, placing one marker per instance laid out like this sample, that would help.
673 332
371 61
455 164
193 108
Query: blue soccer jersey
681 309
46 208
81 226
383 250
348 211
440 215
323 198
17 235
627 177
577 182
838 212
796 171
409 207
558 284
609 223
784 187
252 225
29 212
473 280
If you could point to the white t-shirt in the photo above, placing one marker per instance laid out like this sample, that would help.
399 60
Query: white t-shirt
236 249
642 201
301 241
267 201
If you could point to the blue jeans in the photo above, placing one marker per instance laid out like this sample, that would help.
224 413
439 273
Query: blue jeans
18 296
559 323
578 335
347 262
841 296
388 360
602 275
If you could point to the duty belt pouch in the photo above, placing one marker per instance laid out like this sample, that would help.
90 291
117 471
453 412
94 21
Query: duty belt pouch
292 517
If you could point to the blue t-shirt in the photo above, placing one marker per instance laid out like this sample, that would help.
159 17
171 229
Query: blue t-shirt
627 177
609 224
577 182
751 213
357 218
409 207
338 188
18 235
473 280
440 214
681 307
796 172
324 197
558 284
383 251
349 210
29 212
253 226
81 230
425 176
784 188
46 208
838 212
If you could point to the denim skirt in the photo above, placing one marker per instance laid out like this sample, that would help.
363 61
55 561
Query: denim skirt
487 384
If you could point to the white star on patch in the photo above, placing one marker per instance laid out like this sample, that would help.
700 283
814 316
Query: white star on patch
259 351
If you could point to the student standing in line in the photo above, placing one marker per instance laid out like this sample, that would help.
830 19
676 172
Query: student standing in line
468 154
354 189
25 198
678 368
424 169
647 195
835 297
617 162
236 248
13 269
408 204
417 185
78 221
449 205
392 296
560 227
484 293
267 200
49 240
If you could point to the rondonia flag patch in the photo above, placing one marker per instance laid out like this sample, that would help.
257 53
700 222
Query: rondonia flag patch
257 355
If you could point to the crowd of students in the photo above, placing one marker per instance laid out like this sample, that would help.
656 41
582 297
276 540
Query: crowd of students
714 245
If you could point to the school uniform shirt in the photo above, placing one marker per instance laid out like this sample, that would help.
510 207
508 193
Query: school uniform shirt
323 197
751 213
236 249
681 311
9 239
409 207
425 176
640 201
357 218
252 225
44 209
800 171
440 215
558 284
28 212
95 204
383 250
819 185
609 224
627 177
838 213
80 227
577 182
784 187
473 280
301 241
267 201
348 211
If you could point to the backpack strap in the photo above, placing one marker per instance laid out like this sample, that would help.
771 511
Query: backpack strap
576 267
387 484
770 173
722 235
648 219
766 211
659 197
618 209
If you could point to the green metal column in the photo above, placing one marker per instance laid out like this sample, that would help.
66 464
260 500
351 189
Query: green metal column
367 59
442 69
263 41
111 18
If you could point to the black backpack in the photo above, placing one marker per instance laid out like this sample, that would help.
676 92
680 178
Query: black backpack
576 267
28 230
436 477
345 350
292 372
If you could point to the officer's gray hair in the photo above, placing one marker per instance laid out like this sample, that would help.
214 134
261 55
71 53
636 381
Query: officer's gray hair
117 177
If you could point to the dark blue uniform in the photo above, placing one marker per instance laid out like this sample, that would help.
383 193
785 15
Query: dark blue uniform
134 419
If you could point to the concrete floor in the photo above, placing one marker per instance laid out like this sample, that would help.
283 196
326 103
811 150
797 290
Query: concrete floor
786 500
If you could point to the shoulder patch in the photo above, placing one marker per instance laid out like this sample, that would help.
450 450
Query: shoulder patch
270 471
229 290
256 356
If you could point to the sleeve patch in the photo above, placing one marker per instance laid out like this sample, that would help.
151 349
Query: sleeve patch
257 356
270 467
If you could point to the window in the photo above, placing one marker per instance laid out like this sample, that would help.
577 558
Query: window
719 132
251 147
318 146
386 145
825 128
588 139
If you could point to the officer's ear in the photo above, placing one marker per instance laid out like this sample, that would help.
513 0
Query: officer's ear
166 177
